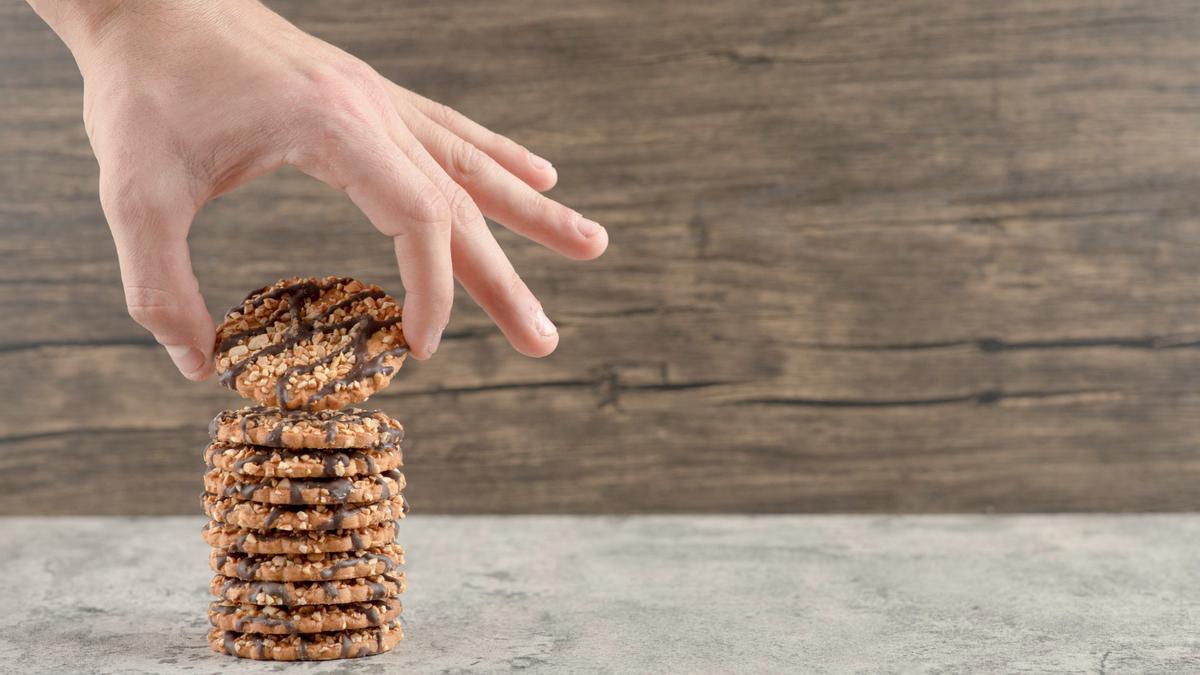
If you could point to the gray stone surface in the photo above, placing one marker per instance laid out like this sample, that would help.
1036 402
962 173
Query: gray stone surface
654 594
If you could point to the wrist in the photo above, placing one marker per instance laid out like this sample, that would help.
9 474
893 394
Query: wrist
78 23
85 25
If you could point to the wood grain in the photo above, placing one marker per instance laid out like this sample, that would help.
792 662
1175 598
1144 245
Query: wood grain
905 256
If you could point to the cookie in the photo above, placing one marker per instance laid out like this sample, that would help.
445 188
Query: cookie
272 427
296 491
231 539
307 646
256 461
272 620
314 344
335 592
256 516
310 567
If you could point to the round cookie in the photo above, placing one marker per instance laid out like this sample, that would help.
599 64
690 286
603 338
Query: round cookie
232 539
272 427
307 646
255 516
297 491
334 592
273 620
315 344
310 567
253 462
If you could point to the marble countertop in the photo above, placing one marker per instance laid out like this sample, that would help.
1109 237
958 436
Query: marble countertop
1101 593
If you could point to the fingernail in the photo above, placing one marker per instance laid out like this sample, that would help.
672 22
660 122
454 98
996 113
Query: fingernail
588 227
543 324
435 343
538 162
188 360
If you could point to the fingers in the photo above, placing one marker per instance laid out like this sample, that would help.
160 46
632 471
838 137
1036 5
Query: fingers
514 204
428 289
479 263
461 209
439 232
149 222
401 202
488 276
535 171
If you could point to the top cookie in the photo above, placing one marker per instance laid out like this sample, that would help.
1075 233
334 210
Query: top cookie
312 344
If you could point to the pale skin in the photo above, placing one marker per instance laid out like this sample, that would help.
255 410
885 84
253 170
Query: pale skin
185 100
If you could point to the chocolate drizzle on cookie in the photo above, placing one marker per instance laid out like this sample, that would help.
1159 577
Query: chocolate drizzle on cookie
311 646
231 539
277 593
307 491
334 463
326 567
360 330
303 516
278 620
294 299
390 433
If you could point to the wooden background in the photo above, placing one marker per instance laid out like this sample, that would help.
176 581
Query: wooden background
866 256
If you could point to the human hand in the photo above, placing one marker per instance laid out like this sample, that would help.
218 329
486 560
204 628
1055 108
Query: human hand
185 100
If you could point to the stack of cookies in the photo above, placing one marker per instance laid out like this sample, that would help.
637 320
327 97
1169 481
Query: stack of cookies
303 493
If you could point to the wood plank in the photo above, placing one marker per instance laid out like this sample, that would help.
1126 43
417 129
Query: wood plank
865 257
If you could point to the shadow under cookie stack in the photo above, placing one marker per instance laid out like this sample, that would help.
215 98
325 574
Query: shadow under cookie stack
303 493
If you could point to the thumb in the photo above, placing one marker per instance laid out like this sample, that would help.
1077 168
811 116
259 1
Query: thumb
149 226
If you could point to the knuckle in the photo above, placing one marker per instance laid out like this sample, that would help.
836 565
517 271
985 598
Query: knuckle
336 104
335 122
466 160
548 210
505 288
510 285
462 208
125 200
326 153
501 288
324 83
444 114
492 139
359 71
318 154
152 307
336 150
430 209
498 142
